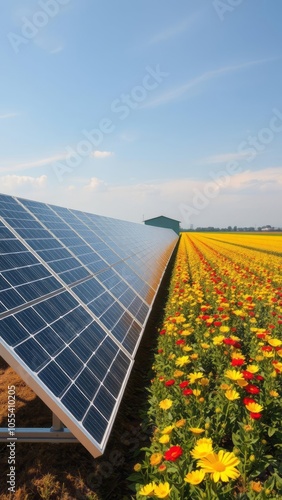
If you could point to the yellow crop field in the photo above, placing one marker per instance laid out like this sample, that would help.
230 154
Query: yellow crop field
215 398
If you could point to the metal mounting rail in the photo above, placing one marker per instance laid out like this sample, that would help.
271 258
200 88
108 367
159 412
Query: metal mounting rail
56 434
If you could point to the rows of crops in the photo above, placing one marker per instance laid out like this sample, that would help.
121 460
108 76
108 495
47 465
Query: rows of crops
215 400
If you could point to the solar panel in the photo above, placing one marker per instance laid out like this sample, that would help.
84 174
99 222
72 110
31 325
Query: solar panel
76 290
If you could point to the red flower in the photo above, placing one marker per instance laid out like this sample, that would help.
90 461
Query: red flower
169 382
180 342
163 332
160 351
173 453
267 348
229 341
255 416
184 384
252 389
237 362
246 401
261 335
217 323
259 377
247 375
187 392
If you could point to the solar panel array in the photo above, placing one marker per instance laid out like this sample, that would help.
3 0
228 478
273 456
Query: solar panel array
76 290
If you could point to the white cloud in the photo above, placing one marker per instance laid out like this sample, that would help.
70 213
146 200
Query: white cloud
101 154
171 31
247 198
8 166
95 184
224 158
182 90
244 199
58 49
10 182
8 115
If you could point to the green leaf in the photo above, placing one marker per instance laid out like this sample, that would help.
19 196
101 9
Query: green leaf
271 431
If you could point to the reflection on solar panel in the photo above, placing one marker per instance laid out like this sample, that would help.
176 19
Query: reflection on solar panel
75 293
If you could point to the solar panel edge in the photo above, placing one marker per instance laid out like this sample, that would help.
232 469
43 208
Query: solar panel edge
152 304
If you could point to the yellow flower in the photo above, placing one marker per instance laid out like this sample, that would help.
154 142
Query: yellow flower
256 486
218 339
204 381
275 342
254 407
156 458
224 329
194 477
220 465
194 356
165 404
187 348
137 467
178 373
225 387
274 394
252 368
235 355
195 376
232 395
148 490
268 354
196 430
239 312
185 333
241 382
234 375
168 429
182 360
196 392
180 423
162 490
278 366
202 448
248 428
204 345
164 439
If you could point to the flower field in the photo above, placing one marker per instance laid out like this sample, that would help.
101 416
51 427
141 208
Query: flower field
215 399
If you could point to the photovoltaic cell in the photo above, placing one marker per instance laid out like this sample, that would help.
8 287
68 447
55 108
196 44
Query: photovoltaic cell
76 290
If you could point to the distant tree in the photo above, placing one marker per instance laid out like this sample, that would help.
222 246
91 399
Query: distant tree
235 228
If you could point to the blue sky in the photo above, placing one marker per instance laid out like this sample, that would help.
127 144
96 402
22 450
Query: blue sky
136 109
